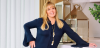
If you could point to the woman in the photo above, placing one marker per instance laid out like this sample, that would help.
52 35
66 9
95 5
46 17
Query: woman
50 29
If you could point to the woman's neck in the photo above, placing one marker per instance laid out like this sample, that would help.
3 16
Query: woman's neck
52 19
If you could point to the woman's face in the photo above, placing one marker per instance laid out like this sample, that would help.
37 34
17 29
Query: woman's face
51 11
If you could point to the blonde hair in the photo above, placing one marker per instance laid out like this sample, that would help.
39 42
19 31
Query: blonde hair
45 19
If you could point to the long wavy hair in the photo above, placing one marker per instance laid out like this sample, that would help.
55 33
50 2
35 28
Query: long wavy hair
44 15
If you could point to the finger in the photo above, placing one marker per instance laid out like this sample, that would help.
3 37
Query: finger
95 45
31 46
90 45
34 45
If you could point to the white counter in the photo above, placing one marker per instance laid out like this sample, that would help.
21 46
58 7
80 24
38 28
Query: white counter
67 45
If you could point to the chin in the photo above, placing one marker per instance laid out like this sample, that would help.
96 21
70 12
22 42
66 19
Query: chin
52 16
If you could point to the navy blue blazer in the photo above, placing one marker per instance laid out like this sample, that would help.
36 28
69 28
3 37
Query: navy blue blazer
44 38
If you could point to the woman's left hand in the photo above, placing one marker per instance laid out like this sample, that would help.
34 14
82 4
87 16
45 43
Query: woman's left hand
92 45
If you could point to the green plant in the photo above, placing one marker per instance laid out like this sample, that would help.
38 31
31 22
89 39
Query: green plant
96 12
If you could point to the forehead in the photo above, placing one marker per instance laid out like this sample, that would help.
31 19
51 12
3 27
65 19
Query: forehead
50 6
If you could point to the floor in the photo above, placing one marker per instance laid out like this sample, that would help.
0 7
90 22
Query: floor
91 40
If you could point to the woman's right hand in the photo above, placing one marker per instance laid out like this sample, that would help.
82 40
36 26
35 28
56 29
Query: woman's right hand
32 43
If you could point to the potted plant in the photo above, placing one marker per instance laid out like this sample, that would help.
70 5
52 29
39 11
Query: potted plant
95 12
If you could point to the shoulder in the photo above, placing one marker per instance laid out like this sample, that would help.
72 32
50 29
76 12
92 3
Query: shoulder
65 23
62 20
38 19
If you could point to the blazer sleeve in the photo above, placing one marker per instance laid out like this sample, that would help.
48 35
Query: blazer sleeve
28 36
74 36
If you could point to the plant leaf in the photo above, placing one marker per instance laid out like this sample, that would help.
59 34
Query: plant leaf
89 8
99 16
99 21
95 15
95 5
96 18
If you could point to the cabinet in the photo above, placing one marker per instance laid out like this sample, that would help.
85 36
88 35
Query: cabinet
77 21
64 8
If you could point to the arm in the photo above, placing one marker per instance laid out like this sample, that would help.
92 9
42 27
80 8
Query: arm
28 36
74 36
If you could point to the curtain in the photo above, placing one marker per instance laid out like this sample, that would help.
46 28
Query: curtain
13 15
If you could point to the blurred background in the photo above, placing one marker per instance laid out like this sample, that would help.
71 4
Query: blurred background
78 15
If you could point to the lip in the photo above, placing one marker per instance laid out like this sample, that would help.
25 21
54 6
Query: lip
52 13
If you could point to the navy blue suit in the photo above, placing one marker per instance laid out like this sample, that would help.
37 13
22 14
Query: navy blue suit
44 38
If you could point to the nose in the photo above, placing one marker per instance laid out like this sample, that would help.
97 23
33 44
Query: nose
51 10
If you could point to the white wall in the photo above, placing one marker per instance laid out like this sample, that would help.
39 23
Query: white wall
13 15
94 0
79 1
94 26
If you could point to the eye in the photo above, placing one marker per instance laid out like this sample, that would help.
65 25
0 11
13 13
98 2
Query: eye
48 9
53 8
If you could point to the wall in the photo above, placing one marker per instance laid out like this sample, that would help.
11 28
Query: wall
79 1
94 0
94 26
